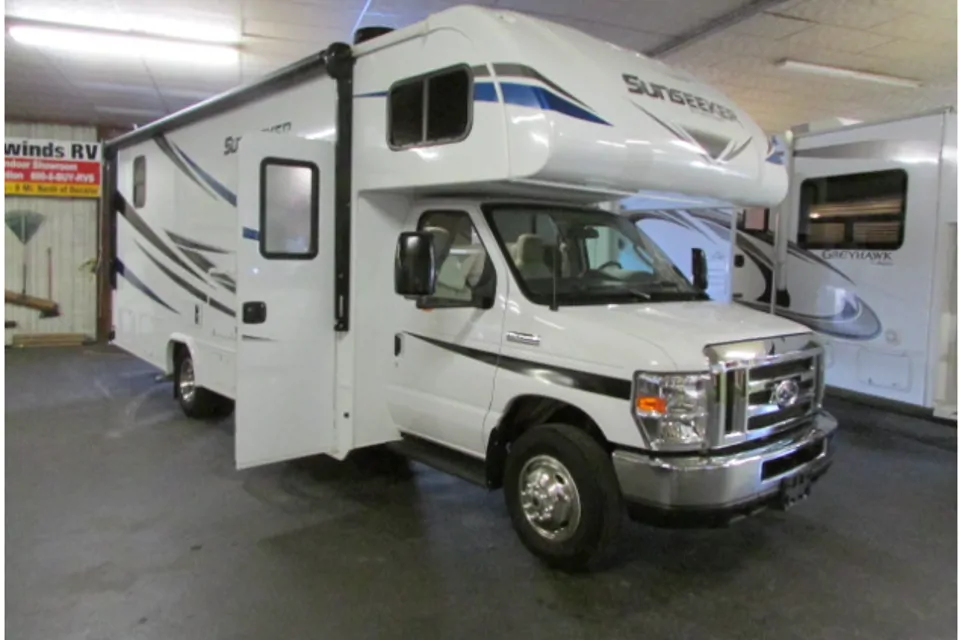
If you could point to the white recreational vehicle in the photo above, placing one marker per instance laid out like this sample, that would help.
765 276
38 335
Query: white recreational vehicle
397 242
864 253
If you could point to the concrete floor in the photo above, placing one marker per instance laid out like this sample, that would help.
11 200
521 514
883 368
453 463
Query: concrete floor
127 521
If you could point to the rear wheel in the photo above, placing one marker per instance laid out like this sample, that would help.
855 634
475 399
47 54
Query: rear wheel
563 496
196 401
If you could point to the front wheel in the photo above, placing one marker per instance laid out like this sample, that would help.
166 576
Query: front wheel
563 497
196 401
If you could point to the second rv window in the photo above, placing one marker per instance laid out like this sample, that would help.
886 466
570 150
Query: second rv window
289 201
430 109
139 181
854 211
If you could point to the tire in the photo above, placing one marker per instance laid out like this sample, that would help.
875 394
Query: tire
195 401
582 545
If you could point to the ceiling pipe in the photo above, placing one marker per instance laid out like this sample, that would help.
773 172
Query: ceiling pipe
721 23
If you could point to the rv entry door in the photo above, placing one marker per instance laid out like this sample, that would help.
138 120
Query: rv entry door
285 339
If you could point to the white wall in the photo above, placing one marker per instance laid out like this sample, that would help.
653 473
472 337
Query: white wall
55 254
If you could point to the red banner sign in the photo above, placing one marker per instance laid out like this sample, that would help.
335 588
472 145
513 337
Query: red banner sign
52 168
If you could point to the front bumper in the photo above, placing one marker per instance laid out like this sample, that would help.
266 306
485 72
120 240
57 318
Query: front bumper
713 489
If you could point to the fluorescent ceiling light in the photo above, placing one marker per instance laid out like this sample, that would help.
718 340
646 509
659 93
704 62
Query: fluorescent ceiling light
144 23
124 45
839 72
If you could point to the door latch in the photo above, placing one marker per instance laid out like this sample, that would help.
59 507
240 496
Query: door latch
254 312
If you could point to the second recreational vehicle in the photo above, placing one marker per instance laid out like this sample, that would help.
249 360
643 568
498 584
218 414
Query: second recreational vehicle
863 251
400 242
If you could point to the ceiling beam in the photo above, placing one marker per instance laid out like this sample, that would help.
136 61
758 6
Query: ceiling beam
690 37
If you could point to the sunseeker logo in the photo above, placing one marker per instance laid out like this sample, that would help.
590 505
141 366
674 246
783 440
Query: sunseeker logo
662 92
875 257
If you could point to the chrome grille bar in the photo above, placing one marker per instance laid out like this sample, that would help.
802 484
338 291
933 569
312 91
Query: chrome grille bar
764 386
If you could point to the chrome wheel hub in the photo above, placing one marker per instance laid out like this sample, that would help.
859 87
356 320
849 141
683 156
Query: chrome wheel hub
187 381
549 498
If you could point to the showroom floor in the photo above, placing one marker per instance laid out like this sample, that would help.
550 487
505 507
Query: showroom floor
127 521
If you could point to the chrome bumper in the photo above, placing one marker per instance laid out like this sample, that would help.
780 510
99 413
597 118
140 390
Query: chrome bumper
725 482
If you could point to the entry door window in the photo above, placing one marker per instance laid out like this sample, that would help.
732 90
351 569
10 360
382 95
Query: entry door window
289 209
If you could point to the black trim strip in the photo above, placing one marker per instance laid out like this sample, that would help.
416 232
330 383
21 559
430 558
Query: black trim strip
198 259
288 76
225 281
580 380
192 290
129 276
141 226
514 70
178 162
219 306
183 241
340 64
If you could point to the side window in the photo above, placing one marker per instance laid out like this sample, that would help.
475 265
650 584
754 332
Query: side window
289 209
464 273
754 221
430 109
854 211
139 181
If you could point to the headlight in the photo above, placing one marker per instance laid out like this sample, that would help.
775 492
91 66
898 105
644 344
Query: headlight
672 409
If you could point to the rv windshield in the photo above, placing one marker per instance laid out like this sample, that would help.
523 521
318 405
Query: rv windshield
585 256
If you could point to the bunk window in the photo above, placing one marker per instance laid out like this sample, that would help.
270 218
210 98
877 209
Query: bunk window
139 181
289 209
854 211
431 109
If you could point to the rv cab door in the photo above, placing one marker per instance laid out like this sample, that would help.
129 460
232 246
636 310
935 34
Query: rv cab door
285 339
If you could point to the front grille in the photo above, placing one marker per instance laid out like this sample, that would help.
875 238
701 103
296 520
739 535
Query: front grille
769 392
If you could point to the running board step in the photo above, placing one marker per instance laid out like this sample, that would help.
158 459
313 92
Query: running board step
442 459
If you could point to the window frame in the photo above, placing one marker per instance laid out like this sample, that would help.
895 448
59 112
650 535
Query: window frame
424 77
849 222
431 302
314 208
140 188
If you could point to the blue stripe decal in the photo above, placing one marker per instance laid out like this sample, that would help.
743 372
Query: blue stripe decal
485 92
524 95
216 185
529 96
130 277
251 234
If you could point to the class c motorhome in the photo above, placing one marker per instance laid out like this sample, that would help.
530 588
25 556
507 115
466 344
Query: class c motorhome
402 242
863 251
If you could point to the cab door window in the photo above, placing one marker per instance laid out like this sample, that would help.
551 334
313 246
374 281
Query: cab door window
465 276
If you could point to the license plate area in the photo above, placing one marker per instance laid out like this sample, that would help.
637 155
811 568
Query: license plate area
794 489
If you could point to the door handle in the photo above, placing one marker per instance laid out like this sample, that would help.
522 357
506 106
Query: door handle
529 339
397 344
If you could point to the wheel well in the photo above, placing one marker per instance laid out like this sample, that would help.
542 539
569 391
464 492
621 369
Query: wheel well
525 412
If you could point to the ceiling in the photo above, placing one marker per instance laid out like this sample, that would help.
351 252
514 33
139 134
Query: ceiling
727 43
